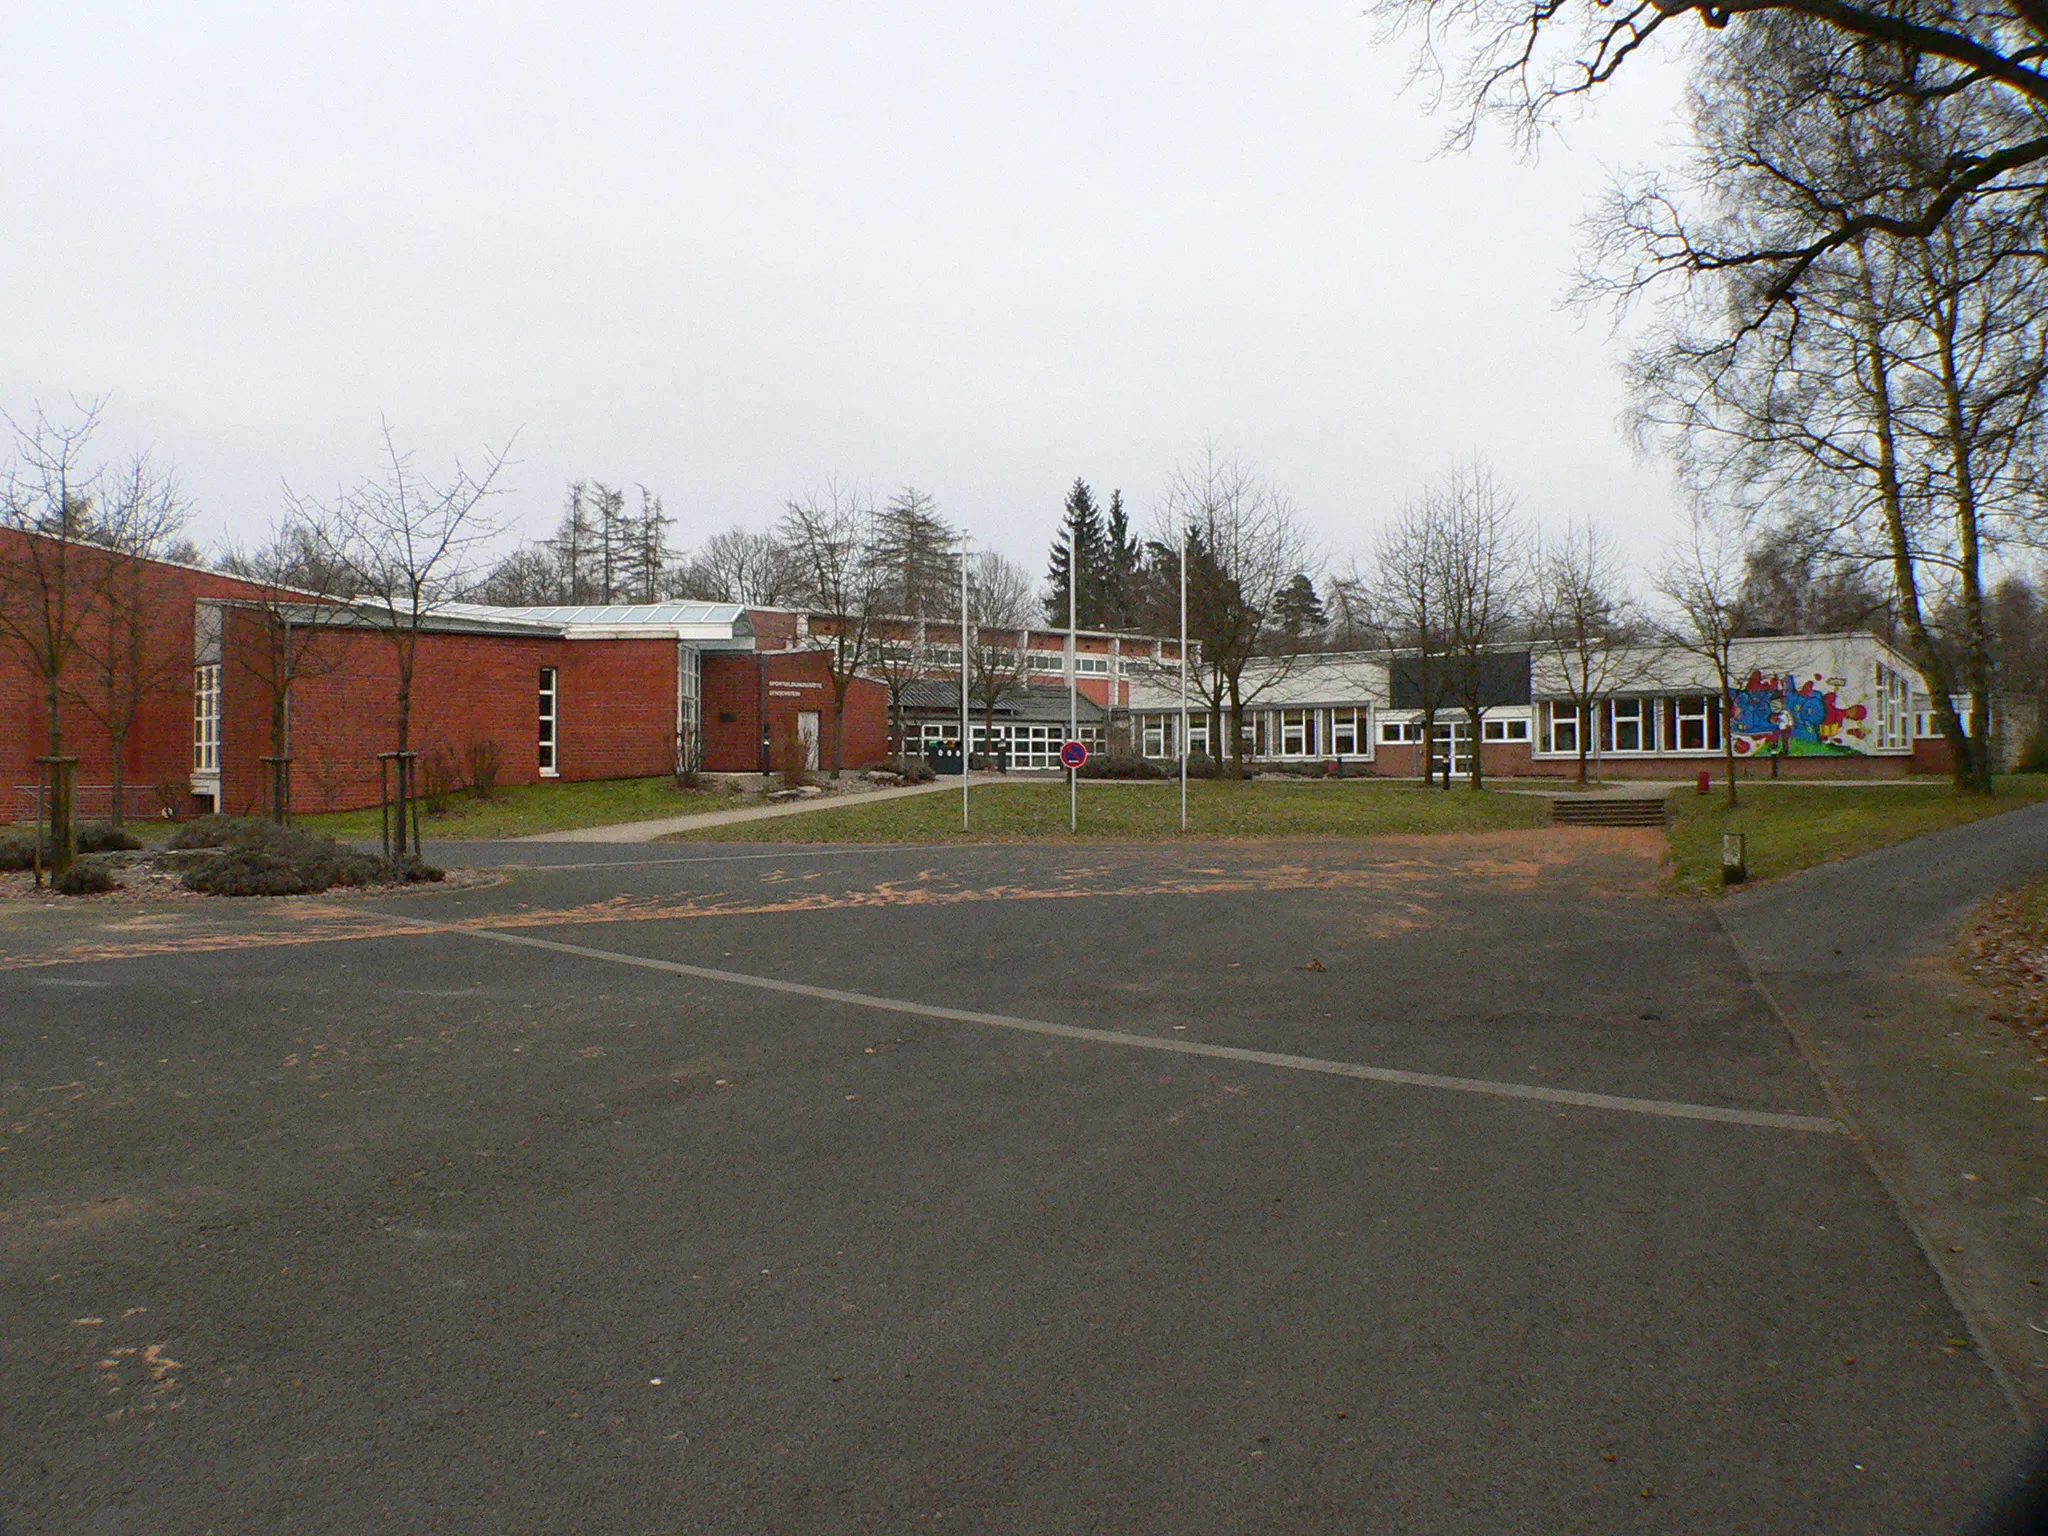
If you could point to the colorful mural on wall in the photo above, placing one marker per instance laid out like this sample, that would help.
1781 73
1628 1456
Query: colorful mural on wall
1776 715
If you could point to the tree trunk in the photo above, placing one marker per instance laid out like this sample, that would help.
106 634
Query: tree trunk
1477 716
1977 659
118 740
1891 497
1728 733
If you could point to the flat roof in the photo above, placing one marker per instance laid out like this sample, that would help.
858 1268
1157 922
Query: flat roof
613 615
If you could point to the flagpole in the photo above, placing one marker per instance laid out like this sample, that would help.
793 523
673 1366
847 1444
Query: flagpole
1073 682
1183 680
963 683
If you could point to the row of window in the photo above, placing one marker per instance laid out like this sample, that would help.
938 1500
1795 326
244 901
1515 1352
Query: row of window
946 658
1028 746
1269 733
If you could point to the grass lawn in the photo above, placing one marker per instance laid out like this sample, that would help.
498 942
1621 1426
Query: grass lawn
528 808
1792 826
1038 812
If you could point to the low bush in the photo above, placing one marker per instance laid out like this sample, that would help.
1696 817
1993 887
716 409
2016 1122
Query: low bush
1114 765
1201 766
105 837
483 760
18 852
219 832
84 879
914 770
260 858
2033 756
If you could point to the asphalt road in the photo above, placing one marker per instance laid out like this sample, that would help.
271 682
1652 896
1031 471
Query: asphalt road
421 1229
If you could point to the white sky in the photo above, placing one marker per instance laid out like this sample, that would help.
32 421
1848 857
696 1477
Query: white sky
730 250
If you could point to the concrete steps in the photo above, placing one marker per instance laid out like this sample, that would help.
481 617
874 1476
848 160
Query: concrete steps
1608 812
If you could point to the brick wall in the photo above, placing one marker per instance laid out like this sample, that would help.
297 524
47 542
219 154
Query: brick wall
158 751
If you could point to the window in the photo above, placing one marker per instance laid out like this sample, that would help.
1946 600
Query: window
1097 666
1696 723
547 722
1400 730
1894 700
1628 725
1155 734
689 702
1505 730
1351 732
1198 735
1297 733
206 718
1560 728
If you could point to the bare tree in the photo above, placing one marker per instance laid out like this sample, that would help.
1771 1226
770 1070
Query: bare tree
1584 622
1000 608
1246 544
1406 602
406 542
1519 60
1702 583
47 494
304 628
1482 576
127 653
741 566
830 536
1896 410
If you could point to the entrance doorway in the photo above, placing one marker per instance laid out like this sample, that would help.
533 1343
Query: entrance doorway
1452 740
807 733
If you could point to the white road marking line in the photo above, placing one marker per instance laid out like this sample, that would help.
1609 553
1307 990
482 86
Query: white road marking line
1666 1108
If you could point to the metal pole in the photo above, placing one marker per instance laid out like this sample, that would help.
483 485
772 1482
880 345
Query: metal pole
1073 681
1184 747
963 683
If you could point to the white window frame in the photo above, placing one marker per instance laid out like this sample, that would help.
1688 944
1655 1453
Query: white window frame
1559 735
1153 734
206 718
1705 716
1642 715
548 729
1505 729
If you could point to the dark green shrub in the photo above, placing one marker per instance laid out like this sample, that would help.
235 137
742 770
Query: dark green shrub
1115 765
914 770
1201 766
105 837
2033 756
84 879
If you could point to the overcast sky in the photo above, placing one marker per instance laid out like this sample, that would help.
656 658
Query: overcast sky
727 251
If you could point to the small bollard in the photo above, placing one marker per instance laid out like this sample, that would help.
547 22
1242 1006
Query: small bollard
1734 858
1706 782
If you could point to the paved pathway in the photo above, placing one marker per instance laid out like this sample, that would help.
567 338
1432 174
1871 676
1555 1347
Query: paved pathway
652 831
1952 1107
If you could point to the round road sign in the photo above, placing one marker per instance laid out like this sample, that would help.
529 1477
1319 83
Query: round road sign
1072 754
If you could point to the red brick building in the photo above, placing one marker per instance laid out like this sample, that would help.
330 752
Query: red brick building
527 694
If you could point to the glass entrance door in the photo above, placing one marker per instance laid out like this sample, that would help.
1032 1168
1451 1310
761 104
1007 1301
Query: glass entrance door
1452 739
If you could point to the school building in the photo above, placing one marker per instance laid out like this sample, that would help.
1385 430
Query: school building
241 679
1822 706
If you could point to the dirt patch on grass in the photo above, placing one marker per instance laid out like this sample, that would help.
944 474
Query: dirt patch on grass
2004 949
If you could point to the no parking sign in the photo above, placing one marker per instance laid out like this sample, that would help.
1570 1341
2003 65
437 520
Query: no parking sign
1072 754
